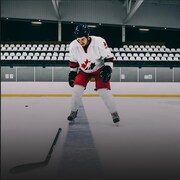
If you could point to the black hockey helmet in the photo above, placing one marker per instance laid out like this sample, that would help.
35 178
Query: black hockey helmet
81 30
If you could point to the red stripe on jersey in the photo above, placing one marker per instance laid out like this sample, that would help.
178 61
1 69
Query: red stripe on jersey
109 59
73 64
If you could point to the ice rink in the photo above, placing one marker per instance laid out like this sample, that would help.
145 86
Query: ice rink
146 144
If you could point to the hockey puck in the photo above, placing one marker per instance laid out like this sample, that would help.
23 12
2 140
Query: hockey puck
26 105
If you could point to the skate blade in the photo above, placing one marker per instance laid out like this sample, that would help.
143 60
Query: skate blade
72 122
116 124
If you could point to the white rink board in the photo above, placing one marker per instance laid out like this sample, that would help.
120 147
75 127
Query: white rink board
63 88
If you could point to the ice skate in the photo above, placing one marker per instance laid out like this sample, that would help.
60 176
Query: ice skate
72 116
115 118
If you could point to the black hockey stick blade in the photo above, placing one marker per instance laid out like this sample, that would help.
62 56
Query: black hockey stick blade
28 167
34 165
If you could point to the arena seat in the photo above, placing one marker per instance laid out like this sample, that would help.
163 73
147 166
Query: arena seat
138 58
56 49
133 49
60 58
15 57
178 50
159 54
3 48
33 48
30 54
151 58
55 54
121 49
176 59
177 54
35 57
28 57
3 57
117 54
144 58
50 49
119 58
139 49
54 58
41 57
18 54
115 49
15 48
12 54
44 48
47 58
132 58
36 54
38 48
43 54
22 57
141 54
9 58
171 55
163 58
123 54
129 54
147 55
135 54
61 54
157 58
49 54
125 58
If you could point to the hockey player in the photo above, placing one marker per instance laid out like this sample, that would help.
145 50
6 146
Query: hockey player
90 57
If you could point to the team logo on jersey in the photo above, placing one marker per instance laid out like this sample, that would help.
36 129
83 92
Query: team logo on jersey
87 65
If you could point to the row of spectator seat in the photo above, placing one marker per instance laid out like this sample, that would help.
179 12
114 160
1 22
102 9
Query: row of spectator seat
65 47
34 48
66 58
117 54
67 54
61 52
34 45
61 58
143 46
34 54
138 58
146 50
119 58
128 54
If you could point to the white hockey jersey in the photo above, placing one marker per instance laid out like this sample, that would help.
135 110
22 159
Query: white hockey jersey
97 55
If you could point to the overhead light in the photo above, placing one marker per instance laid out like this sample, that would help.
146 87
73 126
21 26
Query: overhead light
143 29
92 26
36 22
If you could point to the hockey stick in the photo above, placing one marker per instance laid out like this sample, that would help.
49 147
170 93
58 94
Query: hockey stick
31 166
